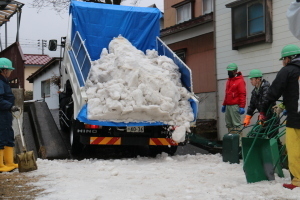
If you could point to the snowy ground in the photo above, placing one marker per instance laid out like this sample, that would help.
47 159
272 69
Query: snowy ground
179 177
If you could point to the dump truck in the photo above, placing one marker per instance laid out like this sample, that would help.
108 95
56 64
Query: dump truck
92 27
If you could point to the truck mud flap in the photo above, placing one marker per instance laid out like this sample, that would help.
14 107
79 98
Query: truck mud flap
50 144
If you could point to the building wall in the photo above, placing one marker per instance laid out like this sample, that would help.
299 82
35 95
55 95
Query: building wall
207 105
200 57
52 101
27 72
14 53
170 13
19 101
262 56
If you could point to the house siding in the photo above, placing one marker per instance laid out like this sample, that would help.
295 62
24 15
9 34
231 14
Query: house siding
198 41
200 56
170 13
14 53
262 56
53 100
27 72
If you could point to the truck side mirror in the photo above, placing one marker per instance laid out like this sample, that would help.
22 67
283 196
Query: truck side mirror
52 45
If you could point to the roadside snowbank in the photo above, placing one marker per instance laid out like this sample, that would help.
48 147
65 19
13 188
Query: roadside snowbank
178 177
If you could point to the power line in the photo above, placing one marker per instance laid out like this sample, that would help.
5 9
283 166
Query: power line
42 44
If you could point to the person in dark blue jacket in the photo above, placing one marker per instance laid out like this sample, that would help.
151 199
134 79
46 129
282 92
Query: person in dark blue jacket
7 100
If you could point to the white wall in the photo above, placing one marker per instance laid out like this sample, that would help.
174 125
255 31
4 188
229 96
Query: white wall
207 105
52 101
258 56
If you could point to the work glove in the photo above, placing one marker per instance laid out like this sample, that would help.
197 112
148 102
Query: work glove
247 120
262 117
14 109
278 108
223 109
241 111
284 111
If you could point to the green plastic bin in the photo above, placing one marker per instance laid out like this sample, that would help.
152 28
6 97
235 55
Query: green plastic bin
230 149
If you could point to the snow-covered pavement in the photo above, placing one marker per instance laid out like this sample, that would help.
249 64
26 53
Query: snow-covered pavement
179 177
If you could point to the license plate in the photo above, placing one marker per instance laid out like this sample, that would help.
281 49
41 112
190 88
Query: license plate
135 129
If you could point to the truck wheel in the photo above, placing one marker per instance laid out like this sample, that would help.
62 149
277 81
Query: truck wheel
76 145
170 150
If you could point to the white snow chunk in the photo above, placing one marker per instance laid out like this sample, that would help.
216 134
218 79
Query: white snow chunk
126 85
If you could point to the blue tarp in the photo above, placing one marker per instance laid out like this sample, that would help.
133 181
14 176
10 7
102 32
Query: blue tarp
99 23
82 116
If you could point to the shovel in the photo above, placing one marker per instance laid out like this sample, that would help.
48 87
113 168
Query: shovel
26 160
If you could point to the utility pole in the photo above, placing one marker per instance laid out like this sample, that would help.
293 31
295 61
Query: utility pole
43 44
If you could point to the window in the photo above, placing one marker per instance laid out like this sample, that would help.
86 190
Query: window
184 13
14 83
208 6
45 88
251 22
181 54
184 10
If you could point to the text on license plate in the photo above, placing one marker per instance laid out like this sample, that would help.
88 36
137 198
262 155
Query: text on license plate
139 129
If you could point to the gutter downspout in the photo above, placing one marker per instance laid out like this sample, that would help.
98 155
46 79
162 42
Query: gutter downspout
217 92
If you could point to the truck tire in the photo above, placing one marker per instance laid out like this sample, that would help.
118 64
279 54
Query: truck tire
171 150
76 145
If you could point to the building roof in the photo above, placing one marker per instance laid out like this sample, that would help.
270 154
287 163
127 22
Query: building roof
7 9
36 59
43 69
187 24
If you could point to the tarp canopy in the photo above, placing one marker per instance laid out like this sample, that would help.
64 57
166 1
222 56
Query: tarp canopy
99 23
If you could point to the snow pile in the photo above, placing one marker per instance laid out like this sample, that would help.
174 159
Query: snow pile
126 85
178 177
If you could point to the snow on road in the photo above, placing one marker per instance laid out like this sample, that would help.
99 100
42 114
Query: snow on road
164 177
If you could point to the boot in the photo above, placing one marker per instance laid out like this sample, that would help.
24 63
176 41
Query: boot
4 168
9 157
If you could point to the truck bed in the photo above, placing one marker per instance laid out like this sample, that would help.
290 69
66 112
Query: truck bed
81 50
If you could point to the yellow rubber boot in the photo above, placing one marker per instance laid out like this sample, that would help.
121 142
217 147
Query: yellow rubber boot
9 157
4 168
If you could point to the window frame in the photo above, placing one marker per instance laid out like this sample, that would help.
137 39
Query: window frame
212 6
43 88
265 36
180 52
180 5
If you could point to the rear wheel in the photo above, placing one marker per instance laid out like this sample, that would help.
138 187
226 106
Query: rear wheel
76 145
